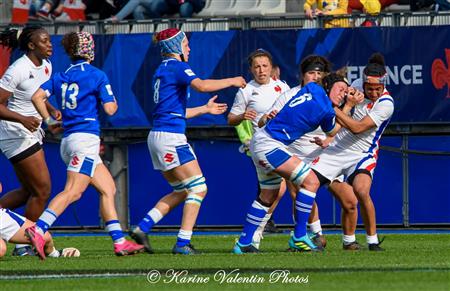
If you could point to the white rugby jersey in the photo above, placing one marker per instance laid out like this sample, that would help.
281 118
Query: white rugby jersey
258 97
23 78
303 144
379 111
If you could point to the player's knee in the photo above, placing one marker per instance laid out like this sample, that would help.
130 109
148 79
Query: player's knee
73 195
267 197
269 183
301 174
311 182
196 189
350 204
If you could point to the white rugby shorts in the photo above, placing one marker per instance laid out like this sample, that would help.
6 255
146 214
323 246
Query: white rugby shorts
80 152
10 223
15 138
334 162
169 150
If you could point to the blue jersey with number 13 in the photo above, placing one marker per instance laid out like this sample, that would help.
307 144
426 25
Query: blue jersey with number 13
78 91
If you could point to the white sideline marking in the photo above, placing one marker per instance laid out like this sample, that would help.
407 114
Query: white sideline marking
69 276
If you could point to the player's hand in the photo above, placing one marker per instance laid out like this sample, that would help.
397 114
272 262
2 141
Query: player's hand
215 108
238 82
323 143
250 114
30 122
272 114
56 114
354 97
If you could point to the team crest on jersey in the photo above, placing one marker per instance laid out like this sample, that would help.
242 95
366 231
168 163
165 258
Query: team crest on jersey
277 88
370 105
46 70
189 72
168 158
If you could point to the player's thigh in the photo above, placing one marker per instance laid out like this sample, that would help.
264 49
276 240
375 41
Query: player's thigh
103 181
33 173
183 172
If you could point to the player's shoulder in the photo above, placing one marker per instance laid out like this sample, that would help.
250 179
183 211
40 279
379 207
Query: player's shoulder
21 65
282 84
249 88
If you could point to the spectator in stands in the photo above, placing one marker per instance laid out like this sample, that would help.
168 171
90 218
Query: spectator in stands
327 8
102 9
372 8
369 6
141 9
67 10
20 11
186 8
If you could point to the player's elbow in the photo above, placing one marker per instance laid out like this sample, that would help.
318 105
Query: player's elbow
110 108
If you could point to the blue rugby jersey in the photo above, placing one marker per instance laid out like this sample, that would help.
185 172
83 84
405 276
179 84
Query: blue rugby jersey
303 113
171 91
78 92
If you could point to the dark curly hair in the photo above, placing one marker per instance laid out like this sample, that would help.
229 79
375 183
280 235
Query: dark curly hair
14 38
70 43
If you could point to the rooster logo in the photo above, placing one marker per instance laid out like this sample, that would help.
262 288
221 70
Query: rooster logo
440 73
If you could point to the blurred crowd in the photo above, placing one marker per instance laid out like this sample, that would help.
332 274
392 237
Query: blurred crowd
117 10
114 10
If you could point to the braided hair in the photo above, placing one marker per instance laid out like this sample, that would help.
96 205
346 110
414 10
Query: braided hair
79 45
15 38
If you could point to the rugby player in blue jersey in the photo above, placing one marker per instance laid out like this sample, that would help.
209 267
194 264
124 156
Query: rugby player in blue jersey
78 92
311 107
169 149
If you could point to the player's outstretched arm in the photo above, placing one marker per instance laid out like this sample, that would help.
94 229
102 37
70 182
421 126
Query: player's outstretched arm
210 85
211 107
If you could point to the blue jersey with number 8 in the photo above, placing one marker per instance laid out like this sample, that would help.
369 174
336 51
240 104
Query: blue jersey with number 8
78 91
171 91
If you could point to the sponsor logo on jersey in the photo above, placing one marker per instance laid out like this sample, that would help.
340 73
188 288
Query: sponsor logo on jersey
254 93
189 72
75 161
31 76
168 158
440 73
315 161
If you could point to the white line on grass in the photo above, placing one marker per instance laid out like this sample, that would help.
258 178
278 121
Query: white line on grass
69 276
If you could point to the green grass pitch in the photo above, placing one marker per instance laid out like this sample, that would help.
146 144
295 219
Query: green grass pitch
410 262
